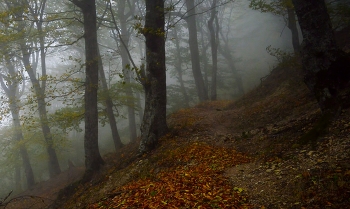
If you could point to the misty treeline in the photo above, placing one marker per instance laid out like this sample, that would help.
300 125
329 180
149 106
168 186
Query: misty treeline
80 77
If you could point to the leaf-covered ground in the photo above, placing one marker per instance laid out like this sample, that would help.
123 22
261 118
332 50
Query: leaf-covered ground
194 180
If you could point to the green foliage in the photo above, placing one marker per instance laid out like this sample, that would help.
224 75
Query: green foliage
275 7
68 118
284 59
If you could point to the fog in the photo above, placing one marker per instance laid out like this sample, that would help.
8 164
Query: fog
252 32
249 32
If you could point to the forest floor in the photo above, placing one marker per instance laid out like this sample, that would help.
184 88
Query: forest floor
256 152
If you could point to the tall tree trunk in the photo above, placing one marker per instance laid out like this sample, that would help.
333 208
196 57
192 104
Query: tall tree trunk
53 164
204 59
18 179
325 66
154 120
214 41
109 105
125 35
193 43
225 52
54 167
139 106
292 25
18 136
178 63
11 92
93 159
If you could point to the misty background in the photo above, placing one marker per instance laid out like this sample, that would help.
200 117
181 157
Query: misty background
248 32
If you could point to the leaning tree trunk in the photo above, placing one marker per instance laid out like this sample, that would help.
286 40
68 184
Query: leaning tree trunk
109 106
124 37
178 68
325 66
193 43
53 164
93 159
11 92
18 136
154 120
54 167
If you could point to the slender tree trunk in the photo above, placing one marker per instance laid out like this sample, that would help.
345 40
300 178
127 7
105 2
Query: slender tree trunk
125 35
204 60
109 105
18 136
138 96
292 25
139 106
18 179
54 167
154 121
11 91
214 50
193 43
229 60
325 66
93 159
178 63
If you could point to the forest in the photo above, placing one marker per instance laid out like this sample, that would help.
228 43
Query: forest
90 88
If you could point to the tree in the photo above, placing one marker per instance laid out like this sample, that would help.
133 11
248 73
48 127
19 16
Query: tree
109 105
154 120
325 66
93 159
281 8
178 61
124 43
10 82
214 42
193 43
27 46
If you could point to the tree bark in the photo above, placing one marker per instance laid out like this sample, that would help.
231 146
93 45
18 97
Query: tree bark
93 159
193 44
154 120
325 66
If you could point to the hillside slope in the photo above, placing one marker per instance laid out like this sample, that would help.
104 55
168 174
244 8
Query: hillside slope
252 153
196 163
